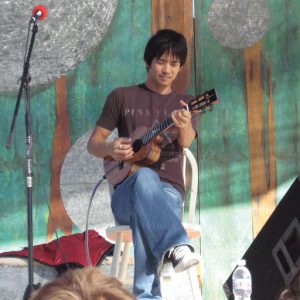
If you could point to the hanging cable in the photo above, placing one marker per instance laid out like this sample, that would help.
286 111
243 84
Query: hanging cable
88 212
57 238
87 251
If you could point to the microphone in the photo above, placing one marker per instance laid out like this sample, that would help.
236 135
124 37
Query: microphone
40 12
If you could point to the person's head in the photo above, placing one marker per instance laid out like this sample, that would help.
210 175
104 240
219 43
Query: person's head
165 54
166 41
83 284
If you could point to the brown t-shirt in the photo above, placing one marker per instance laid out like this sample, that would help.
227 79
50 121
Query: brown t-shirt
129 108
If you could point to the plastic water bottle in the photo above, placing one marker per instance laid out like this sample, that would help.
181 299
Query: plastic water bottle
241 282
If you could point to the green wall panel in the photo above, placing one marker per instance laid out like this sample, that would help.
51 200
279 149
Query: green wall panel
117 61
282 44
225 187
225 198
13 215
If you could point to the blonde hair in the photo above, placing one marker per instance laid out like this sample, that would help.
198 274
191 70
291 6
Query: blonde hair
83 284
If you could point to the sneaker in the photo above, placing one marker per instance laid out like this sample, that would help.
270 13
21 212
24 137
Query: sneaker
182 258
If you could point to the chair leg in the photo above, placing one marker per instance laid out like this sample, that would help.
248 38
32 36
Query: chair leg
124 263
116 256
192 273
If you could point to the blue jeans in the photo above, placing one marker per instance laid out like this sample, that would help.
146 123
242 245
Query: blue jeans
153 209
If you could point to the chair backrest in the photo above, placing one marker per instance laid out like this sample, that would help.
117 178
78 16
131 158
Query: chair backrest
190 160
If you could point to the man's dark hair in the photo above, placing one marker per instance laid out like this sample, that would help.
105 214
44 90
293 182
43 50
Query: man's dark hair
166 40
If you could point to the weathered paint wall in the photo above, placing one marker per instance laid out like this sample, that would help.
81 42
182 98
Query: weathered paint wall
225 207
61 113
282 57
248 148
13 193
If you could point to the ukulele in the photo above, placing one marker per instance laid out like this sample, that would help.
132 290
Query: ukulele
145 144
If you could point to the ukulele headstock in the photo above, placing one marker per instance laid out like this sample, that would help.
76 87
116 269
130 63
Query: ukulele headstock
203 102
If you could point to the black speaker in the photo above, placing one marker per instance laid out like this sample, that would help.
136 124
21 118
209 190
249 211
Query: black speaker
273 258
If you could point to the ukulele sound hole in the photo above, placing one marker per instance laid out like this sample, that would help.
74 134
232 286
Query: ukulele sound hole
137 145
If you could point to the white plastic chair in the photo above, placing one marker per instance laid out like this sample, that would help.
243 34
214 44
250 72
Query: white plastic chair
123 237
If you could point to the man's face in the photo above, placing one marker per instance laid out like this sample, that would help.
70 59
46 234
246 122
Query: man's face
164 70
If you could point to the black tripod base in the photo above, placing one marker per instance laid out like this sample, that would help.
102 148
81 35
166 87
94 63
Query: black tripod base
30 289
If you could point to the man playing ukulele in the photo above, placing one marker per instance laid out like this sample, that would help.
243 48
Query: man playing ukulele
150 199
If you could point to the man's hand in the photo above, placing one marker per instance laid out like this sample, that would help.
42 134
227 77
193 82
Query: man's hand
120 149
181 117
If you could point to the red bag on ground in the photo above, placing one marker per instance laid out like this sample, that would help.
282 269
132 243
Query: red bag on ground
69 250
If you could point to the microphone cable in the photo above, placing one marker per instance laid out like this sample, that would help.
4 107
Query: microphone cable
56 237
104 177
86 237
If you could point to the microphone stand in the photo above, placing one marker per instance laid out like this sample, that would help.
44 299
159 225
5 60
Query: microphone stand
25 79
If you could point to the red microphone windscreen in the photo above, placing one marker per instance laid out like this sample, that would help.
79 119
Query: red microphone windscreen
42 9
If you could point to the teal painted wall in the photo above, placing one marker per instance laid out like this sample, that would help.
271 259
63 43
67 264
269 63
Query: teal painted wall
225 185
117 61
13 216
225 198
281 46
